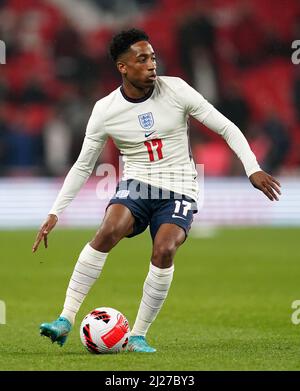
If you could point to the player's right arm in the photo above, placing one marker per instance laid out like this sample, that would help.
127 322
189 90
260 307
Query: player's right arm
93 144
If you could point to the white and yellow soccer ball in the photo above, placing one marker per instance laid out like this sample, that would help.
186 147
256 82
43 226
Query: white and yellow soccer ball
104 330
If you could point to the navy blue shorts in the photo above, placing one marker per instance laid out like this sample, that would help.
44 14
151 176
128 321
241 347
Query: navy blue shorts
153 206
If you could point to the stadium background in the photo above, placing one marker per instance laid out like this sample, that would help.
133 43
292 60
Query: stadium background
238 55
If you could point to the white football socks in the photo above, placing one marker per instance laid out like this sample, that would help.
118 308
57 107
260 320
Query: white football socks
155 291
86 272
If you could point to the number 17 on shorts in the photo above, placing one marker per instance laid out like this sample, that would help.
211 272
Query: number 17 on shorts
181 209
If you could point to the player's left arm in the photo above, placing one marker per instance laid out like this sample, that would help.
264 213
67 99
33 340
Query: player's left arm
267 184
197 106
238 143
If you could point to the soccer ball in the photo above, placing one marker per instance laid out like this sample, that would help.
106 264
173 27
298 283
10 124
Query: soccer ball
104 330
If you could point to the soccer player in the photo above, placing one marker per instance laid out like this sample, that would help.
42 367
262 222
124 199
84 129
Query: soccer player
147 119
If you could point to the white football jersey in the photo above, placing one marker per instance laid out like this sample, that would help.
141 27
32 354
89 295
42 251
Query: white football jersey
152 136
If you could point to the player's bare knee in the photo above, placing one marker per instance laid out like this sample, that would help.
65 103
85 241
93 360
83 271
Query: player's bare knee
112 233
163 254
107 237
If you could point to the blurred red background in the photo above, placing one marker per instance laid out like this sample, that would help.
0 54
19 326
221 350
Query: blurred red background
236 53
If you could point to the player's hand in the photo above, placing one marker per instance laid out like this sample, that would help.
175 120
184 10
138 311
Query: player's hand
267 184
45 229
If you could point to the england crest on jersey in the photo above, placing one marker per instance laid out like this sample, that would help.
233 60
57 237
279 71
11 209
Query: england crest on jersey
146 120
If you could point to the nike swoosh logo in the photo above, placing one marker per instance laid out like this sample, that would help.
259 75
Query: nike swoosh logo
178 217
149 134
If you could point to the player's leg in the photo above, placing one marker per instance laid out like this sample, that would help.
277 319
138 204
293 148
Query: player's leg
117 223
156 286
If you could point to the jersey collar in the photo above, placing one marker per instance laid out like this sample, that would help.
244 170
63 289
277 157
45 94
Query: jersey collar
138 100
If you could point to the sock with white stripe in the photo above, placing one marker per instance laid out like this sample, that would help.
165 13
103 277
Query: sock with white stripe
86 272
155 291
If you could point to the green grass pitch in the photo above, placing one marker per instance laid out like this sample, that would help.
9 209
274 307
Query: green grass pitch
229 307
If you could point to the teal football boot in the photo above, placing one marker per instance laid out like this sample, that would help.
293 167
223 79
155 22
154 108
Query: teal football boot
138 343
57 331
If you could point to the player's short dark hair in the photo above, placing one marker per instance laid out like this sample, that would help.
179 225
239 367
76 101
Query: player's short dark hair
122 41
